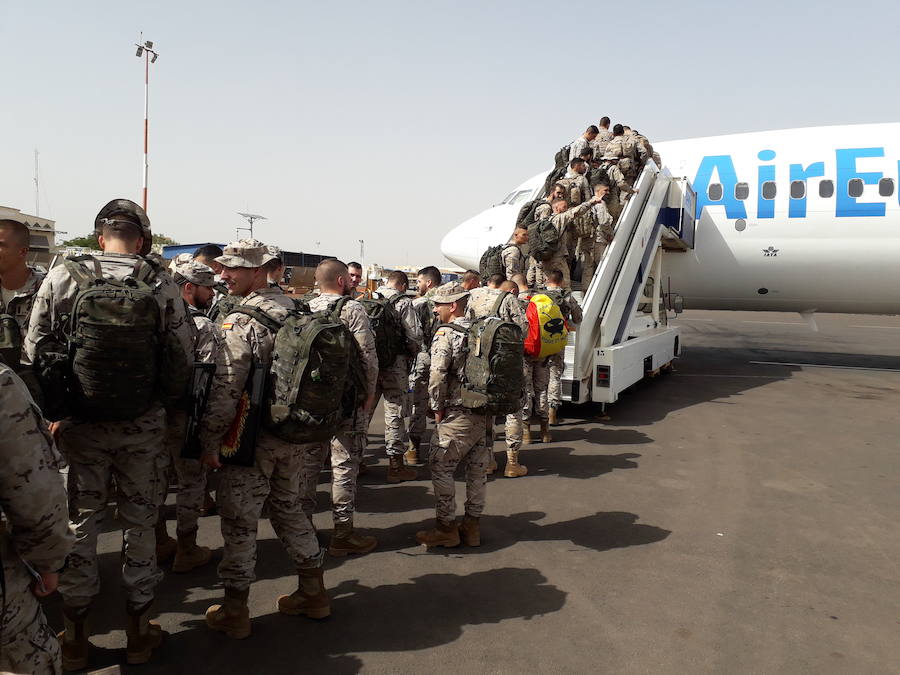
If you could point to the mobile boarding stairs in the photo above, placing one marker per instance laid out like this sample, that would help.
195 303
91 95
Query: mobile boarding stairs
625 334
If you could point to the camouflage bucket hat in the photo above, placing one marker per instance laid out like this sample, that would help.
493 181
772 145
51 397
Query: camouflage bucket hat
245 253
195 272
449 292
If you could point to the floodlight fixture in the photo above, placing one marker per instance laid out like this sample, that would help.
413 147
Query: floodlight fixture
148 44
154 57
140 51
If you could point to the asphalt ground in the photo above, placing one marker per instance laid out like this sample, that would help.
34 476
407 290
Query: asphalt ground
735 516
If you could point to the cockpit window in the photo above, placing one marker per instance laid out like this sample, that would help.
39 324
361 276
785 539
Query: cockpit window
520 196
508 197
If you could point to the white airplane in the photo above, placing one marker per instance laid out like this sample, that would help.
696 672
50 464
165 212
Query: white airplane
799 220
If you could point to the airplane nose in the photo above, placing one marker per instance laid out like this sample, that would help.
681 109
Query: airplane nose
459 246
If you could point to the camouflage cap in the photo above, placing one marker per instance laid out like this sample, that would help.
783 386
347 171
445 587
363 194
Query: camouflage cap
195 272
449 292
245 253
274 251
124 207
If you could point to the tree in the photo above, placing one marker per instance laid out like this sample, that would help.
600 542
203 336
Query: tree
163 240
90 241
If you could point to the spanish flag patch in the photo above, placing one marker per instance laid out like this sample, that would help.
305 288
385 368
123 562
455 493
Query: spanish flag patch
227 326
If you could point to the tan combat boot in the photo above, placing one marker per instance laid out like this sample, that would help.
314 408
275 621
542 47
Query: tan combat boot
443 534
492 466
545 432
526 433
143 635
232 617
398 472
74 639
188 555
310 598
346 540
553 420
470 531
411 456
165 545
513 468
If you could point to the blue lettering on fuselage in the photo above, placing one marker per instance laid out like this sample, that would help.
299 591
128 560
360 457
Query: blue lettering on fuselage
721 167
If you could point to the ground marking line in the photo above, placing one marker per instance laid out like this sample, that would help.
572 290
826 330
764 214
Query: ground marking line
822 365
779 323
684 318
891 327
755 377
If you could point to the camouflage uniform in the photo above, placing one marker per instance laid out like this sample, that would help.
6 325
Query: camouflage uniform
460 435
625 148
349 441
618 185
537 383
393 382
276 477
571 312
481 303
579 189
514 261
562 221
20 305
591 251
418 378
33 501
578 146
130 451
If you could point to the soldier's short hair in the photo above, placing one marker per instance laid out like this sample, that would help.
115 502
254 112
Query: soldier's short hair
20 233
355 265
496 279
587 154
398 277
601 182
560 199
329 270
510 287
592 129
555 277
471 275
558 185
575 162
625 126
121 227
431 273
210 252
618 130
520 280
521 226
604 121
273 265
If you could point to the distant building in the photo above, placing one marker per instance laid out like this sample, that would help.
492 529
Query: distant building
43 234
174 250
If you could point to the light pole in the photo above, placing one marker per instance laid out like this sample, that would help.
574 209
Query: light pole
362 253
146 50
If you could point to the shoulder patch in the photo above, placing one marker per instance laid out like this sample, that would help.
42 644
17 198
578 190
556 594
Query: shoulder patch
441 331
228 325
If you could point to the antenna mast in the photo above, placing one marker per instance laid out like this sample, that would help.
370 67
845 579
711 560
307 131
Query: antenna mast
37 187
251 218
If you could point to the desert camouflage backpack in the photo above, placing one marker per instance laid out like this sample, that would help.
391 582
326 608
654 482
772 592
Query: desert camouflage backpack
390 338
543 240
561 158
492 261
430 323
526 213
494 377
554 177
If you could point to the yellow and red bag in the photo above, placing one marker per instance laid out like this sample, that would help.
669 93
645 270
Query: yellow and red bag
548 331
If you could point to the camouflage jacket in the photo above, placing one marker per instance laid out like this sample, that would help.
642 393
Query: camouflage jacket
514 261
206 337
567 303
448 362
20 304
32 495
578 146
243 341
482 300
617 179
605 229
56 298
355 318
412 327
579 190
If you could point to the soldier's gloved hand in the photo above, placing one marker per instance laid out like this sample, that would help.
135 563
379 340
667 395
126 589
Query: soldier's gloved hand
212 461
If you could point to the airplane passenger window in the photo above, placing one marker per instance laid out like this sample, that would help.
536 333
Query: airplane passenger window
826 188
768 189
741 191
886 187
855 187
715 192
798 189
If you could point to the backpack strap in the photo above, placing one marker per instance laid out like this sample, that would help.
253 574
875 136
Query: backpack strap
458 329
397 298
495 310
77 267
338 307
269 322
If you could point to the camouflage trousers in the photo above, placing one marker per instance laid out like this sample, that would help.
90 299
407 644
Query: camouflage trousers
190 474
241 495
28 644
460 437
537 272
134 454
393 384
346 450
590 257
418 404
537 383
513 430
555 364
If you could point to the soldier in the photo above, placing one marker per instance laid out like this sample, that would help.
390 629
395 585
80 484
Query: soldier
207 255
129 451
196 282
618 186
603 138
562 219
470 279
429 278
571 312
481 303
393 382
575 183
459 432
536 405
591 250
274 479
583 142
19 282
356 275
349 442
545 210
36 538
514 259
625 149
275 268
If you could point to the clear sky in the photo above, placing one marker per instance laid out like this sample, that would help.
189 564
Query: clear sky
394 121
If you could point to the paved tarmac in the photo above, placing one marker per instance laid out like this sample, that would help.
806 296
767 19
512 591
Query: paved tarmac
735 516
